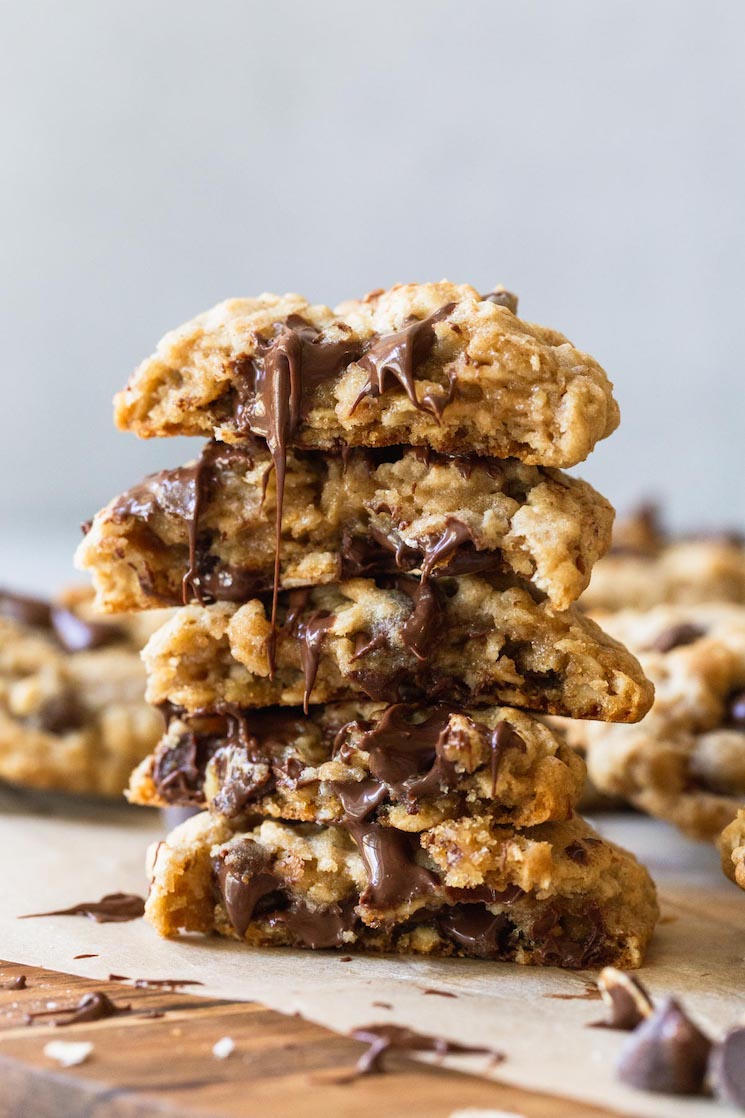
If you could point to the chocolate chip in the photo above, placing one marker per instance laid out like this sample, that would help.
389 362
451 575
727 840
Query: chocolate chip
77 635
502 298
727 1068
25 610
666 1053
628 1001
736 709
61 713
677 636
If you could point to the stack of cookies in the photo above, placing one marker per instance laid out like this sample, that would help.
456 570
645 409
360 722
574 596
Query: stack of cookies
377 556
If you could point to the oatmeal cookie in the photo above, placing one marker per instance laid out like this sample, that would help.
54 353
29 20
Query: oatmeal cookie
73 716
465 639
432 364
208 530
732 849
557 895
402 766
685 762
647 567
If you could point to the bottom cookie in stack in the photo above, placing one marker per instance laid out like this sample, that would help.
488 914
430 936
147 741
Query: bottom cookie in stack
392 829
554 895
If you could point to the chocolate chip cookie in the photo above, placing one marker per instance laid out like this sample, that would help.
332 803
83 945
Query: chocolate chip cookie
557 895
401 766
434 364
685 762
732 849
208 531
73 717
466 639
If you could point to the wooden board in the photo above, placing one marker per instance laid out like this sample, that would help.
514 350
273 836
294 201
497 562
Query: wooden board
144 1066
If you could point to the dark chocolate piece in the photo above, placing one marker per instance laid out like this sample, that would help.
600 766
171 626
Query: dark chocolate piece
34 612
666 1053
626 998
727 1068
244 877
677 636
735 715
78 635
18 983
502 298
114 908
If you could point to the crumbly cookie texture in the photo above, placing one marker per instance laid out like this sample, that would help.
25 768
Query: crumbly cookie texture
558 895
686 761
209 528
459 639
732 849
407 767
647 567
432 364
73 716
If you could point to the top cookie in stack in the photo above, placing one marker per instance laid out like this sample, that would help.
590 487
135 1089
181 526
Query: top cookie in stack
379 519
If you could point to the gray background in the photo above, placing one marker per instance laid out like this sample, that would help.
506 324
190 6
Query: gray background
158 157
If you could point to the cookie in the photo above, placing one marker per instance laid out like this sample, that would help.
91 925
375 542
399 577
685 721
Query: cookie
732 849
558 895
463 639
208 530
433 365
402 766
72 712
685 762
647 567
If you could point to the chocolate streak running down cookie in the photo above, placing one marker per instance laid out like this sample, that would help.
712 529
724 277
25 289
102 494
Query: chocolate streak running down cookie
207 530
470 639
401 766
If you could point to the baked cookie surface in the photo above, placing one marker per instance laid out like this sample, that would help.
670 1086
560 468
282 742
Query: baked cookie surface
685 762
404 766
433 365
557 896
732 849
647 567
73 716
208 530
466 640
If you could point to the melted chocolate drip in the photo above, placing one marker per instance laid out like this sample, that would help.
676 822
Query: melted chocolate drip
397 1038
477 931
420 629
95 1006
311 633
321 928
114 908
397 356
244 878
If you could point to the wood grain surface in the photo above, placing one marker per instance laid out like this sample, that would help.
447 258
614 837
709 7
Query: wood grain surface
148 1066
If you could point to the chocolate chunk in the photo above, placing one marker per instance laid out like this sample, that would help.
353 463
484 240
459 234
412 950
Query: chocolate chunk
244 878
481 933
33 612
577 852
18 983
420 628
666 1053
677 636
77 635
320 928
394 877
114 908
628 1001
397 1038
727 1068
502 298
735 715
61 713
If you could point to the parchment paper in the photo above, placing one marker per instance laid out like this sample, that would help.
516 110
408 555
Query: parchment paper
49 860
